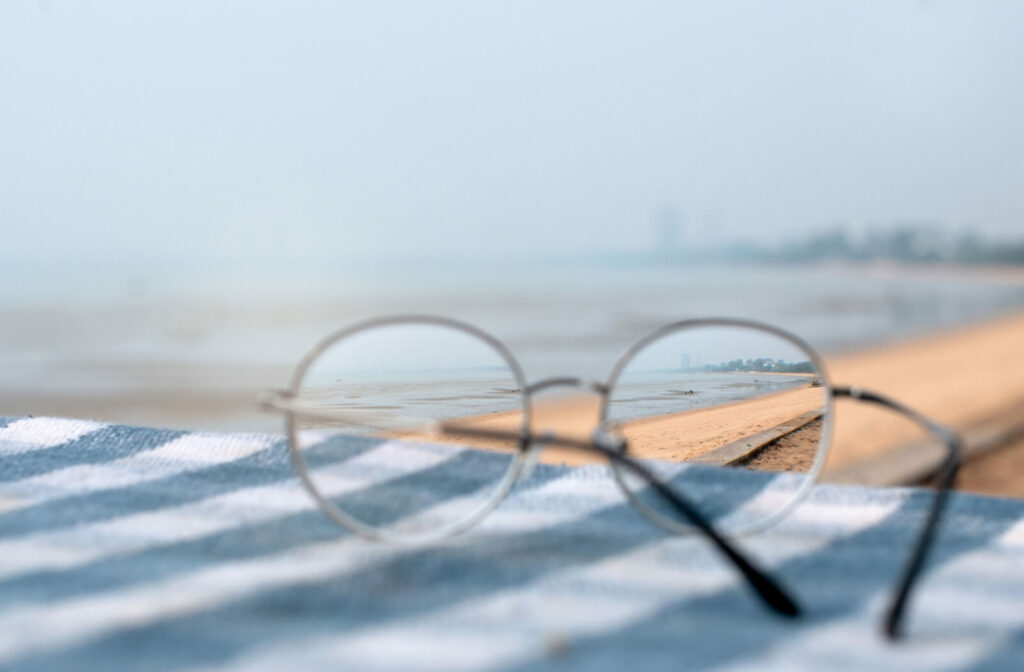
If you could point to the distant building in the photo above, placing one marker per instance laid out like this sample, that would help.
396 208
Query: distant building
668 242
686 362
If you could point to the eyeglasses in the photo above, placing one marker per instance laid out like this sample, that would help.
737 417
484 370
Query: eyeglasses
411 429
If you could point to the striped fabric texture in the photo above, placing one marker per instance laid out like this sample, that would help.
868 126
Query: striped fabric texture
148 549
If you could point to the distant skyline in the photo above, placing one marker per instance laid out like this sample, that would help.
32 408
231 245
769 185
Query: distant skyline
254 131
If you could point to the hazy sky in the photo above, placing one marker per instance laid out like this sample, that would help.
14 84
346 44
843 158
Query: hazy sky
253 130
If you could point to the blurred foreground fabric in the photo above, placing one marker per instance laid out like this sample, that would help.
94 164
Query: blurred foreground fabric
148 549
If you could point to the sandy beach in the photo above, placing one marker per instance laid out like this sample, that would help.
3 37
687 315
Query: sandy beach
962 377
684 436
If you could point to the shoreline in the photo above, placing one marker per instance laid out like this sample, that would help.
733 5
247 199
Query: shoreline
958 376
683 436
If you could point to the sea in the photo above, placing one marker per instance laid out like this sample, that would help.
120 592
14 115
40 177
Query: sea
156 333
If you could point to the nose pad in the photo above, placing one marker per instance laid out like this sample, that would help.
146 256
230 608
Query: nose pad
605 439
533 456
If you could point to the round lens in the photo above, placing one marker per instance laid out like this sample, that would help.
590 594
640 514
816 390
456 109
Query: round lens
375 426
701 396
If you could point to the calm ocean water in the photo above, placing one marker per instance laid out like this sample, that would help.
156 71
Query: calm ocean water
419 396
71 330
578 320
652 394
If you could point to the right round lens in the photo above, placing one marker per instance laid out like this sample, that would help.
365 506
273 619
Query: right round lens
705 395
374 415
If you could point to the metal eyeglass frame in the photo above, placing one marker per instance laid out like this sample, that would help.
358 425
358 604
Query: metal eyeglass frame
615 449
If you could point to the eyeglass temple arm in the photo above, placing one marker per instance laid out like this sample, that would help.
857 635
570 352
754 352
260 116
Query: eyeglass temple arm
284 401
767 588
944 476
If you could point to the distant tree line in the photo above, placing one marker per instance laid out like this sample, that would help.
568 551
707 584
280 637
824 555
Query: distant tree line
911 242
761 364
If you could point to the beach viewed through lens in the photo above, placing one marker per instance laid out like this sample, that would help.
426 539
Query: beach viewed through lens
722 395
366 409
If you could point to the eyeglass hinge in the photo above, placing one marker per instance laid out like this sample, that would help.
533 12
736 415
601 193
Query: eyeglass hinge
275 400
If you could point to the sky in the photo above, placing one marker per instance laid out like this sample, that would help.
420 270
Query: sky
254 131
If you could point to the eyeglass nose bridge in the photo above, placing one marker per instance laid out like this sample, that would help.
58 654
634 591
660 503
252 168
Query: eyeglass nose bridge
599 436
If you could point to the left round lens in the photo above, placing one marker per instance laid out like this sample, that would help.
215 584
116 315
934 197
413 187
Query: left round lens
382 419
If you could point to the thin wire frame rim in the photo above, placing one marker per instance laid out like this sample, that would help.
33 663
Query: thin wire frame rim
501 489
821 455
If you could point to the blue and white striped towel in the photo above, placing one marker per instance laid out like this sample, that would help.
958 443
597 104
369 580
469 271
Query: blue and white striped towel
131 548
